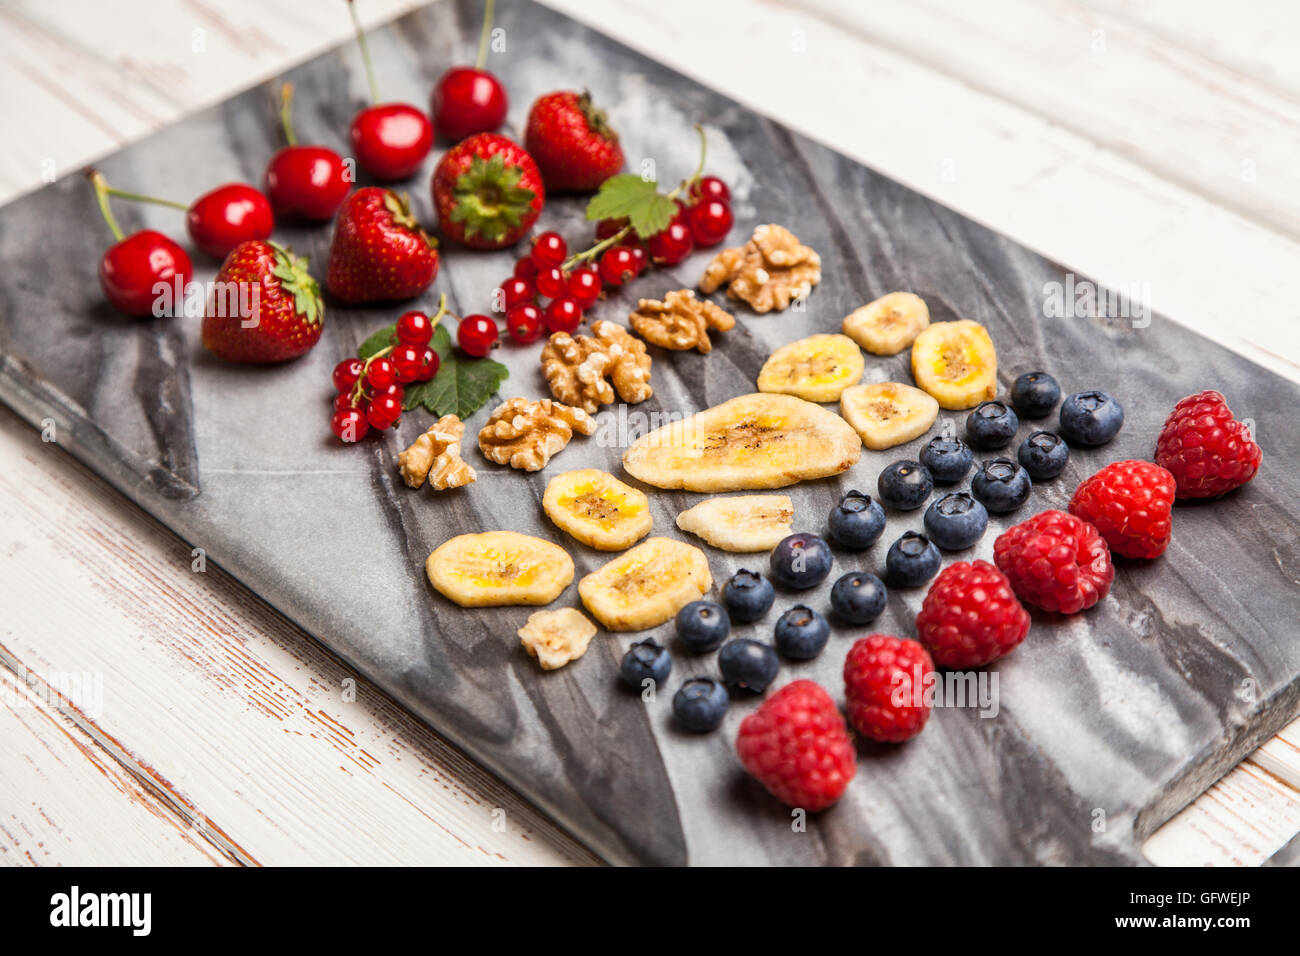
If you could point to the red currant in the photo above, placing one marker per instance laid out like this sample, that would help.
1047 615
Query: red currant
346 374
349 425
383 411
563 315
524 323
549 249
525 268
710 221
429 363
414 328
711 187
550 281
406 361
683 211
672 245
343 401
380 373
638 256
477 335
395 390
618 265
609 227
515 290
584 286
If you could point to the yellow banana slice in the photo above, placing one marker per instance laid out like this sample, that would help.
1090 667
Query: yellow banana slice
499 567
556 637
889 324
815 369
956 363
888 413
754 441
741 523
646 586
598 509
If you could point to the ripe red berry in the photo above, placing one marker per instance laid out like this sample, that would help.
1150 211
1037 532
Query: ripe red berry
970 616
383 411
1131 504
672 245
550 281
618 265
343 401
429 363
710 221
477 335
1055 561
346 373
466 101
638 258
711 187
584 286
380 373
549 249
525 268
524 323
395 390
1208 452
515 290
885 687
414 328
563 315
609 227
349 425
407 360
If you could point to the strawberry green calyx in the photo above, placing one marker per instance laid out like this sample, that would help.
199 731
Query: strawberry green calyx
399 207
294 279
597 120
488 198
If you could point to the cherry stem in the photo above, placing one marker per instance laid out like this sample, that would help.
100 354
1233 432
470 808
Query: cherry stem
286 114
365 54
591 253
139 197
699 169
101 196
483 37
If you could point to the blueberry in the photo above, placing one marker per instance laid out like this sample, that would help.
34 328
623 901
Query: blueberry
1043 455
748 664
912 560
858 597
991 425
700 704
645 660
1001 485
956 521
947 458
801 633
702 626
1090 418
905 485
1035 394
747 595
857 521
801 561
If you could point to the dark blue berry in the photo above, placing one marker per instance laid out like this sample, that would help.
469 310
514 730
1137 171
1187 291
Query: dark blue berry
947 458
801 633
858 597
1001 485
955 522
912 560
857 521
1090 418
700 704
751 665
1043 455
702 626
1035 394
905 485
801 561
645 660
991 425
748 595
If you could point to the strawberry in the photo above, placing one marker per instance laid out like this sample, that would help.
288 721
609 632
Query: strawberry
265 307
379 252
572 142
488 192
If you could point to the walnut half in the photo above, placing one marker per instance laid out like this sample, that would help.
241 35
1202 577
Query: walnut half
680 321
587 370
525 434
769 271
435 456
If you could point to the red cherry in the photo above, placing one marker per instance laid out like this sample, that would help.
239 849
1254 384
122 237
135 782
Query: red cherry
131 268
391 141
429 363
477 335
414 328
524 323
584 286
407 360
710 222
384 409
563 315
468 101
525 268
307 183
515 290
549 281
711 187
230 214
380 373
346 373
549 249
349 425
618 265
672 245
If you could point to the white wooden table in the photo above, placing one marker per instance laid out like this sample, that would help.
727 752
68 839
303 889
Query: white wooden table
1153 142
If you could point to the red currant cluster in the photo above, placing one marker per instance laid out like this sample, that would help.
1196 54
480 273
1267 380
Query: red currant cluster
703 220
370 392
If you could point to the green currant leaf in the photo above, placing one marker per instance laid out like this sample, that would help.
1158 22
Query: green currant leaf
462 385
636 199
378 342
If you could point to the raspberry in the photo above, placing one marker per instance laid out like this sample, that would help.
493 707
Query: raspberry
885 686
1206 450
970 617
1131 505
1055 561
796 745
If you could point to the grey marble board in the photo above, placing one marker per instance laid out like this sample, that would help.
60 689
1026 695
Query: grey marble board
1108 722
